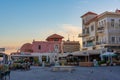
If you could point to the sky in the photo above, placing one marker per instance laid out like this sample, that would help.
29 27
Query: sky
21 21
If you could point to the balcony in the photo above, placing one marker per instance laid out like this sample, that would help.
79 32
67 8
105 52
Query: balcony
100 29
100 26
90 38
99 43
89 45
83 34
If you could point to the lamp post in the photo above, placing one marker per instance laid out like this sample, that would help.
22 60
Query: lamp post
101 52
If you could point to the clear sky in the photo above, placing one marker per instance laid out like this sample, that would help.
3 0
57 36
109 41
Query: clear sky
22 21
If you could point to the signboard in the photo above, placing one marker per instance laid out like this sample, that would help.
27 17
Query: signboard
2 49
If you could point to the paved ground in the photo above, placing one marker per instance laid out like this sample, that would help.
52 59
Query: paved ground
81 73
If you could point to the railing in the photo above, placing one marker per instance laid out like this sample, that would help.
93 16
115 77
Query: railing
83 34
88 45
114 42
100 26
100 31
98 43
117 31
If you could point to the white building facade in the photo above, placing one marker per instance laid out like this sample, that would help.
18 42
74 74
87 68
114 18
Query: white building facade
101 31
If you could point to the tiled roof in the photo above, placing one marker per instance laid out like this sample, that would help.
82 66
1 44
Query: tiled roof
88 13
54 36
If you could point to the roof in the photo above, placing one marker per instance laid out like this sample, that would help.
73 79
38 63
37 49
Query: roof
89 13
54 36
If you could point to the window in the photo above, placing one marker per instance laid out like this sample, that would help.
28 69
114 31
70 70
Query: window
84 44
87 30
99 24
56 39
112 22
83 21
105 22
83 31
102 23
119 39
56 48
92 28
39 47
96 38
119 22
113 39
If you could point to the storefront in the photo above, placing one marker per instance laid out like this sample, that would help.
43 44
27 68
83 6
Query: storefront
33 58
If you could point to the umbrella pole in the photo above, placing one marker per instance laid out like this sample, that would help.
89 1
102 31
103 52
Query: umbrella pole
111 61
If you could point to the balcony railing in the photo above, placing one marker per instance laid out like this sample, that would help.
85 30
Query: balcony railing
98 43
100 26
88 45
90 38
100 31
83 35
114 42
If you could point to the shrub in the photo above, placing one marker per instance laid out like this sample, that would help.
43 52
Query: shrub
101 62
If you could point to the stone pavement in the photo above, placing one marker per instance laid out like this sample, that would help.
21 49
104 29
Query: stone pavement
81 73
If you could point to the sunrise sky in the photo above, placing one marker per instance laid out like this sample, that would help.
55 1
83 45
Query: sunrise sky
22 21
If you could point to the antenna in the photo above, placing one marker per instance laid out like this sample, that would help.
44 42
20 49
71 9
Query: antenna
68 38
33 40
73 38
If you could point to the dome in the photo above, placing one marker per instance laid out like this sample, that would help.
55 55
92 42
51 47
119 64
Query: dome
27 47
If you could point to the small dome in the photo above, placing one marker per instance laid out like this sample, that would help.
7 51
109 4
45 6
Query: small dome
27 47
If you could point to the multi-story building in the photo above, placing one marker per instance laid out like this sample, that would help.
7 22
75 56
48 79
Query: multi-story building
101 31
